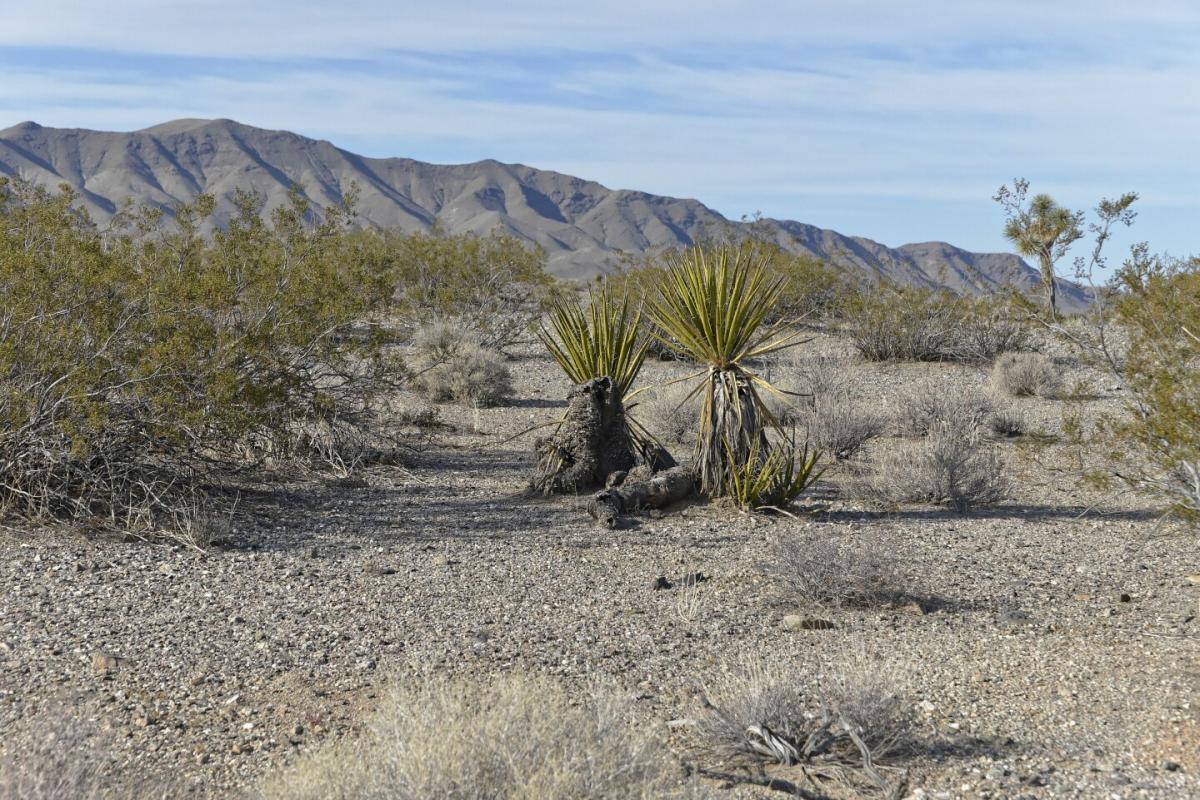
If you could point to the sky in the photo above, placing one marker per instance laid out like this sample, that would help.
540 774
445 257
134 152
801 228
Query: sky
889 119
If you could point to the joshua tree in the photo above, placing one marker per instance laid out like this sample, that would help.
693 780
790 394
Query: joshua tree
1039 228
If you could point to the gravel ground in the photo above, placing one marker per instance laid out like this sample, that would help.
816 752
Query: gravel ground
1058 654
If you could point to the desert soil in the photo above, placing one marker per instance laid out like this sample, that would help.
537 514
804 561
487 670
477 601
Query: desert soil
1057 655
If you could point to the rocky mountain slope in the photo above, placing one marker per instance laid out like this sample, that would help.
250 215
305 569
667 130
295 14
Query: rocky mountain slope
584 227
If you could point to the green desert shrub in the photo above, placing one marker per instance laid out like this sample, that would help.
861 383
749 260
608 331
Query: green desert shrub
1025 375
138 362
892 323
493 286
1160 310
507 739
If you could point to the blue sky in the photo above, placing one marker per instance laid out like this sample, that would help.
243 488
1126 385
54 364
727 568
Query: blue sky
889 119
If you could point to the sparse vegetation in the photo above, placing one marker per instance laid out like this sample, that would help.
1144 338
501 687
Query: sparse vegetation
831 569
454 366
924 409
1025 375
835 425
505 738
891 323
855 720
948 466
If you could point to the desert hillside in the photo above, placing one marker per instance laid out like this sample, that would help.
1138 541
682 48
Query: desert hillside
584 227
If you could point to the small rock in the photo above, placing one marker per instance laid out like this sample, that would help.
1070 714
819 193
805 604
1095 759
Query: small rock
1193 579
1172 766
1125 598
661 583
795 622
692 578
105 663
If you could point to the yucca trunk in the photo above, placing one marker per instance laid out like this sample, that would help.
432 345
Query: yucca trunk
732 428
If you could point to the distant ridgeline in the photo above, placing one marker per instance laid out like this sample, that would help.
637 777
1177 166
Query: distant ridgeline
585 228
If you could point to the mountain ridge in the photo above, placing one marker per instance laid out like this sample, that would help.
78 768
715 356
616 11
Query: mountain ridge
584 226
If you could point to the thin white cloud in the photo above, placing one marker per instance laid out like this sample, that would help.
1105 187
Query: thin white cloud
724 101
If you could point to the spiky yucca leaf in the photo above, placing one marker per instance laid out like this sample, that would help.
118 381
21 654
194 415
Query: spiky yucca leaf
601 340
773 477
713 302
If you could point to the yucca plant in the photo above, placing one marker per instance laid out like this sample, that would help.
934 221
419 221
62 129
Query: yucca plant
712 303
772 477
601 340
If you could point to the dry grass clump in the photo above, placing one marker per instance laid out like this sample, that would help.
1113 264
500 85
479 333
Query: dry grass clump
511 738
949 466
455 367
1025 375
926 408
834 570
1008 423
851 723
66 763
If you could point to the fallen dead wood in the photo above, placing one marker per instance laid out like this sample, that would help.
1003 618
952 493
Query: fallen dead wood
636 493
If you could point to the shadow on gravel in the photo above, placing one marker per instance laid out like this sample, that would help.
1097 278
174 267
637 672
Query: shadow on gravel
1018 512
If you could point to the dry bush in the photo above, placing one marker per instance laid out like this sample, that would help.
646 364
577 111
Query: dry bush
834 570
823 376
1025 375
65 762
669 413
949 466
874 699
510 738
927 407
839 428
1008 423
454 366
852 722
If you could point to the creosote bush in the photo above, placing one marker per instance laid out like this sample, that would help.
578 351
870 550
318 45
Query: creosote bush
825 569
1160 309
494 287
511 738
891 323
138 363
1025 375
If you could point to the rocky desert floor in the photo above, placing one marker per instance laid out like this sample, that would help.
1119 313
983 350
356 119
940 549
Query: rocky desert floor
1055 650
